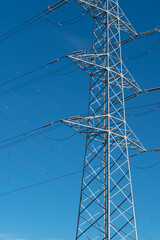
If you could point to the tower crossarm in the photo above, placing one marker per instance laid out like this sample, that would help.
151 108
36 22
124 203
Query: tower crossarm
96 10
91 126
92 63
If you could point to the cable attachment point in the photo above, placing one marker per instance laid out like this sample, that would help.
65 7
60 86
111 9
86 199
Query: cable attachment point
50 9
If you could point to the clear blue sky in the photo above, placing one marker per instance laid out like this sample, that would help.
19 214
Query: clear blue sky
49 212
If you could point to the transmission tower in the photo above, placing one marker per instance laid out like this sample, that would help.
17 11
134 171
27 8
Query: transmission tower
106 210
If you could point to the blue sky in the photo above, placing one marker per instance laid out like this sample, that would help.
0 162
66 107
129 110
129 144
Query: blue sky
49 212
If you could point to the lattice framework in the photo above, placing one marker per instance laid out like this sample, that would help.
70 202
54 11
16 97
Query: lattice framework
106 208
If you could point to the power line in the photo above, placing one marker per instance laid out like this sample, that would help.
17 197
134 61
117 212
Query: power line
150 50
66 23
36 79
31 71
39 183
41 67
32 131
152 166
38 131
66 187
36 144
27 24
140 92
46 128
156 107
143 113
30 134
142 106
42 76
61 139
149 167
66 175
60 74
42 117
37 194
147 34
29 187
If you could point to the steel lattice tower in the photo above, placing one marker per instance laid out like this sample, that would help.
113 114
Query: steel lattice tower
106 208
